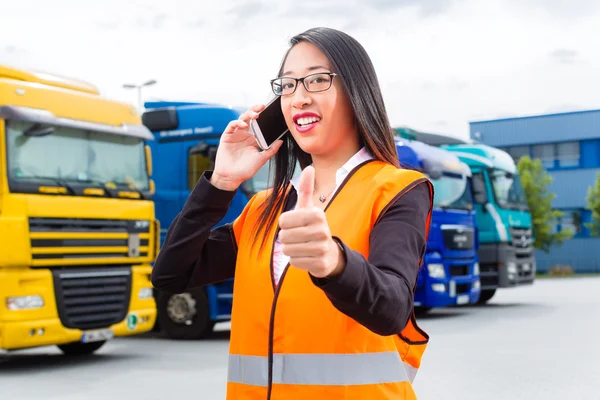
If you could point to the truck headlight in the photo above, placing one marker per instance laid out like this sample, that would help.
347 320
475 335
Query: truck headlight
145 293
436 270
477 285
24 302
511 267
438 287
476 268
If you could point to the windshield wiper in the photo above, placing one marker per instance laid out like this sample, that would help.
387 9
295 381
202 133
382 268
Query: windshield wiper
57 181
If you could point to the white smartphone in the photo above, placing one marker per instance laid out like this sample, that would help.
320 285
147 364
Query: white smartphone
270 125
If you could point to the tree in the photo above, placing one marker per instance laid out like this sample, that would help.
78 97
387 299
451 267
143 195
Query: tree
593 203
535 180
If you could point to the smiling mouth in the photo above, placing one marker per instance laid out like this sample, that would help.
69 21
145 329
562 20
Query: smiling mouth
305 121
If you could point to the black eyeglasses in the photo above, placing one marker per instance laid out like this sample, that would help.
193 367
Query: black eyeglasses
318 82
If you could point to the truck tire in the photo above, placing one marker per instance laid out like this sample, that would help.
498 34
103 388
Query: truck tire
486 295
184 316
78 349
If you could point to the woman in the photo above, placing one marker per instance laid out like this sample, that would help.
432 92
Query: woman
324 267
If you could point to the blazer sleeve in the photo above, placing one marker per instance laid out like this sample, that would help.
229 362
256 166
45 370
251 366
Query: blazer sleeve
378 292
193 254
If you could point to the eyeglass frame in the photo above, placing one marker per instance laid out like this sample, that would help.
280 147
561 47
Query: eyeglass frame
331 74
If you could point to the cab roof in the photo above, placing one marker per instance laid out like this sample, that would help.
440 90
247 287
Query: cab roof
8 72
426 158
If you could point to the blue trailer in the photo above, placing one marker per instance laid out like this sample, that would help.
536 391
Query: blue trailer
185 145
450 273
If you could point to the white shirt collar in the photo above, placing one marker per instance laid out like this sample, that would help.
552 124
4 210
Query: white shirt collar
361 156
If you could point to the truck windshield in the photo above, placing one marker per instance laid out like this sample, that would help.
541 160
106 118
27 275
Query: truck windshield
76 155
452 191
508 190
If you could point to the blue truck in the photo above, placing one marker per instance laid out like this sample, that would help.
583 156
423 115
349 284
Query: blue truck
185 145
505 228
450 273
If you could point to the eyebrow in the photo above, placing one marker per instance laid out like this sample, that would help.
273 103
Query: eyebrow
309 68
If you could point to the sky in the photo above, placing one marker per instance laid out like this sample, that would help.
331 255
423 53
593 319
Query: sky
440 63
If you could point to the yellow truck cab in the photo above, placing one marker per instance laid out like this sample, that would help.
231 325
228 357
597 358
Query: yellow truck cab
78 232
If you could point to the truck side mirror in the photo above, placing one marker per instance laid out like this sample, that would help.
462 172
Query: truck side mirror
148 160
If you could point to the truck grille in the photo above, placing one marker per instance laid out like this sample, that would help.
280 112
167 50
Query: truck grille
522 241
92 298
457 237
56 240
459 270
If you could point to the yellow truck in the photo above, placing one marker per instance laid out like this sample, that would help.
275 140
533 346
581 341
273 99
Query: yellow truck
78 232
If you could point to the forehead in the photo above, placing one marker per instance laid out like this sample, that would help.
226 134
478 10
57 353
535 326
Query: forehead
303 58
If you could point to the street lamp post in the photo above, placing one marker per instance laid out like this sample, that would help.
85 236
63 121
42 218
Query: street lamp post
139 91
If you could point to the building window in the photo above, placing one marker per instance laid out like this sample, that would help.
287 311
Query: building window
546 154
516 152
568 154
575 220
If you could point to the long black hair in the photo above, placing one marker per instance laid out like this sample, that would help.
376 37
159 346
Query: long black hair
354 68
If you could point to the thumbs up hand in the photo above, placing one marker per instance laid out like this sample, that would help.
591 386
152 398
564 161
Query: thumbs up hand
305 233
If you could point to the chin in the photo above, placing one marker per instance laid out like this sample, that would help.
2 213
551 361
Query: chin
309 144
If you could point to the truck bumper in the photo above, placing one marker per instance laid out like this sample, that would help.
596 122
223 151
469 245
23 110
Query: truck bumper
26 328
501 268
444 292
27 334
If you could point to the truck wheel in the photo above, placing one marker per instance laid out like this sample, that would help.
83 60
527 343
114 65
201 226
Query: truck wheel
486 295
184 316
78 349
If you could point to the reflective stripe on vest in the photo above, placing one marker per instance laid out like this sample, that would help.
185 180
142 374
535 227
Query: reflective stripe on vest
321 369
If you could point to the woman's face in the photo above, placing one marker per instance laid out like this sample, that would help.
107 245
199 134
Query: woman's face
320 122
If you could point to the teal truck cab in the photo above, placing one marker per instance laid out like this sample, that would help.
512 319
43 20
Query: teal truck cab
506 252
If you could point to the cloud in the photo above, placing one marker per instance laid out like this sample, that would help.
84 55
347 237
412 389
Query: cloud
564 56
559 9
427 8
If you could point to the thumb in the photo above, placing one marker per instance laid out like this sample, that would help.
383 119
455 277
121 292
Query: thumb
272 151
306 188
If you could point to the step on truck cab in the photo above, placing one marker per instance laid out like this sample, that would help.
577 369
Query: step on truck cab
77 223
450 272
506 253
186 140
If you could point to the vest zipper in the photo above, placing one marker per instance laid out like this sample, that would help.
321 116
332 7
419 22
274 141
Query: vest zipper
277 288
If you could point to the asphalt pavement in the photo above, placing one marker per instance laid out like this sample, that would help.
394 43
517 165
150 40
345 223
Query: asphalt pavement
534 342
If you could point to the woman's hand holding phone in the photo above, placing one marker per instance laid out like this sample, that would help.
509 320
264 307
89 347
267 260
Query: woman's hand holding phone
238 157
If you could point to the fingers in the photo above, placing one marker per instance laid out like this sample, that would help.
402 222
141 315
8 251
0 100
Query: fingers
301 217
272 150
234 125
244 120
252 113
302 234
306 250
306 188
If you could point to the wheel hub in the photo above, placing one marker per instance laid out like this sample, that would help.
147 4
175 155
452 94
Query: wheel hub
181 308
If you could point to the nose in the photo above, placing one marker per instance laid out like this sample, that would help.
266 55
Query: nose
301 97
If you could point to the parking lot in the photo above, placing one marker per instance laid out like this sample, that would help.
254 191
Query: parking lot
537 342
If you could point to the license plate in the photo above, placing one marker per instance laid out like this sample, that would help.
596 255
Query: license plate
96 336
462 299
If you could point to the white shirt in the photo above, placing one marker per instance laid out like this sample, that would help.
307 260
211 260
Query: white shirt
280 260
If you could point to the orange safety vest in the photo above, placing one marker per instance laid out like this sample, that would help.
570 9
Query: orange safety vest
288 341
